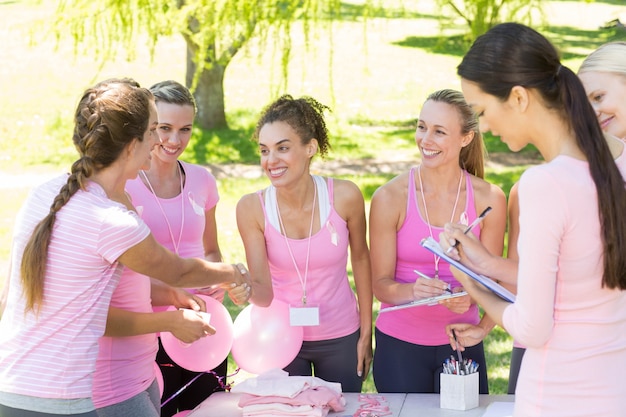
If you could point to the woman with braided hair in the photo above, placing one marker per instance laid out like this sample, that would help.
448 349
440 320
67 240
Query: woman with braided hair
71 239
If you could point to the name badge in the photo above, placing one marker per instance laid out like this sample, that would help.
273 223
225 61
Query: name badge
308 315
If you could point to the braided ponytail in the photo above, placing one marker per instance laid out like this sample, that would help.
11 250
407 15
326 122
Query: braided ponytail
108 117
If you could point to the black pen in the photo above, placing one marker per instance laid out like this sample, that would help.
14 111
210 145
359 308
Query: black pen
475 223
458 353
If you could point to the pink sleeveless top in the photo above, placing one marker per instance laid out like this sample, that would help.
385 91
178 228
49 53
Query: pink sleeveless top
423 325
327 283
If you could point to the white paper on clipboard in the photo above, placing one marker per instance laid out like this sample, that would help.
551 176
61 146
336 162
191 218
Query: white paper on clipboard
433 246
430 301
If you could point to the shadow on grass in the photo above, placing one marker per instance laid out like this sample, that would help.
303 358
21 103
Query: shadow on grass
445 45
352 12
572 42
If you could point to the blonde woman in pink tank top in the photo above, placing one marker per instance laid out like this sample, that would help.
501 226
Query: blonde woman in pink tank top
447 186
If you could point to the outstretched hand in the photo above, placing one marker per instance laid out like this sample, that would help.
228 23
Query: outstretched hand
240 291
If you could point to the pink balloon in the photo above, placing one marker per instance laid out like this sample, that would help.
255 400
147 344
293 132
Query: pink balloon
263 338
159 378
208 352
182 413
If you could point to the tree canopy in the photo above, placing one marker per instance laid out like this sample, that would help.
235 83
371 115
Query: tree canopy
214 31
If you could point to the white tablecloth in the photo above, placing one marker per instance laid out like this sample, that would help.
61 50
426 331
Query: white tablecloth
224 404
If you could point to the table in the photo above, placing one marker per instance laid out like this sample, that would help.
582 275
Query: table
224 404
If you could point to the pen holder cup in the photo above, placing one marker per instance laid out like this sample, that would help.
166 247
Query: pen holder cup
459 392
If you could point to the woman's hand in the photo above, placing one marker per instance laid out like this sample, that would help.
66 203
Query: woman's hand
189 326
240 294
213 291
470 251
240 290
426 288
467 335
458 305
364 354
184 299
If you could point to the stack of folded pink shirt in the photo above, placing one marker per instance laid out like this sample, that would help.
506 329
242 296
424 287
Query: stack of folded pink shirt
275 393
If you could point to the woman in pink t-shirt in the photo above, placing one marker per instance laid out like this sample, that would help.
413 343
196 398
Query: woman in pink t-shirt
298 234
570 310
447 186
603 74
71 238
177 201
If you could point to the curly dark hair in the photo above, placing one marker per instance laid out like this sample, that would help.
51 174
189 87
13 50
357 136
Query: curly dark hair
305 115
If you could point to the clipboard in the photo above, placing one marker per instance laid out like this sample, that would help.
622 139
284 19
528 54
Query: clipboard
430 301
433 246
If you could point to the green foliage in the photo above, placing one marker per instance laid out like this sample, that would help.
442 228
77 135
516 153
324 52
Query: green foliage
214 32
480 15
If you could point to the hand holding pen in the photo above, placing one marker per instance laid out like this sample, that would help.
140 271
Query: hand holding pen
472 225
446 289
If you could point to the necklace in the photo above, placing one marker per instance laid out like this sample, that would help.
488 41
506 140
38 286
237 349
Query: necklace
175 243
308 250
430 230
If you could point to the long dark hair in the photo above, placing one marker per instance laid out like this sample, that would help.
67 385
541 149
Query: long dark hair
511 54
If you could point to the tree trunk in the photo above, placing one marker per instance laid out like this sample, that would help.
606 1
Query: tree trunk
209 93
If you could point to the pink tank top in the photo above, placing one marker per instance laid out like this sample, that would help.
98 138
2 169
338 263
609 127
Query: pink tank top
327 280
424 325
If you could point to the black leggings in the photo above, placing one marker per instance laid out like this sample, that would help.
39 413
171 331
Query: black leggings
516 363
333 360
401 366
175 377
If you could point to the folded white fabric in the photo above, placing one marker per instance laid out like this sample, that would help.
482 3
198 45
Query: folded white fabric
275 393
277 382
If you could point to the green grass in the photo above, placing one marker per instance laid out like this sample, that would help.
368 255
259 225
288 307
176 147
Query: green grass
375 84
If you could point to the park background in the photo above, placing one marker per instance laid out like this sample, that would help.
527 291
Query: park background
375 80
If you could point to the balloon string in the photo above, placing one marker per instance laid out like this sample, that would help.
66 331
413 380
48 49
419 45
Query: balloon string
220 381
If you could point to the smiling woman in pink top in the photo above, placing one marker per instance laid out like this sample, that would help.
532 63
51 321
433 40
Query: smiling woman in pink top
447 186
603 74
72 237
570 310
177 201
298 234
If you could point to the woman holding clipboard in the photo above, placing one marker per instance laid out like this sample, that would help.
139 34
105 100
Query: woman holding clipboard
570 310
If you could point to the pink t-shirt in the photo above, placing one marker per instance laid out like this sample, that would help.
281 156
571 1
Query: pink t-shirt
53 355
126 364
327 284
573 329
424 325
